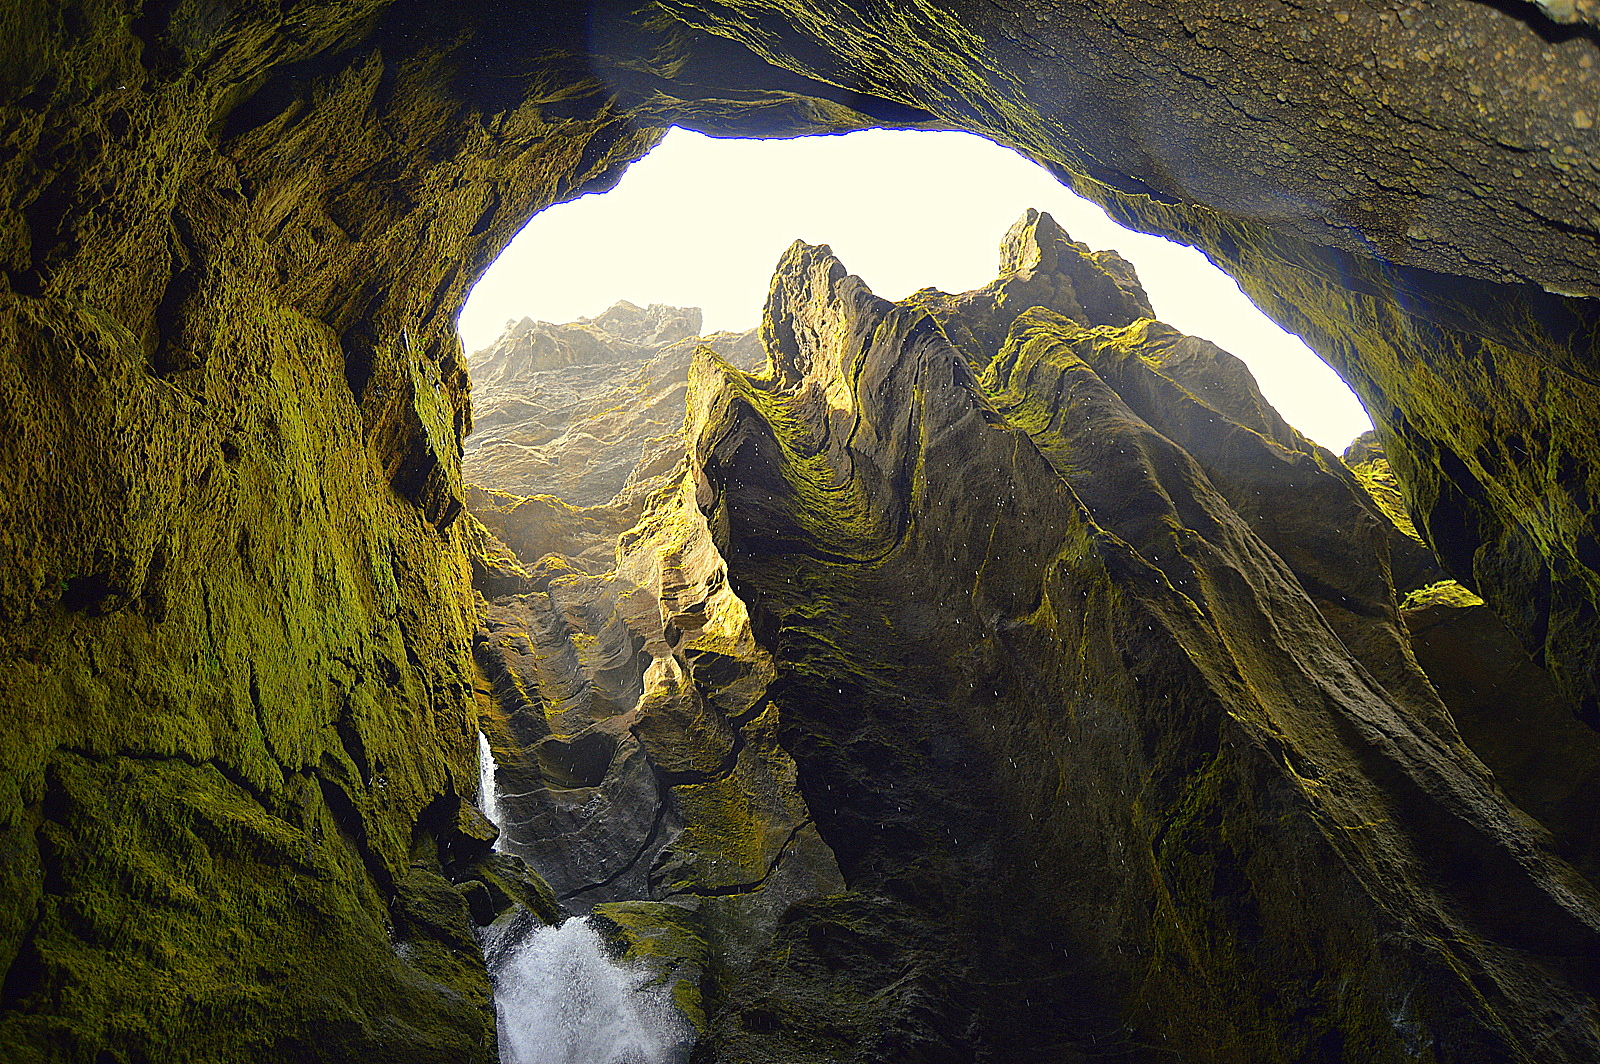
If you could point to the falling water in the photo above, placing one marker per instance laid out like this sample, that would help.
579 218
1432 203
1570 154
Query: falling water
561 1000
486 795
558 996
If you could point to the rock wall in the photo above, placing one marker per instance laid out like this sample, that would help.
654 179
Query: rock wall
1408 186
1100 692
623 694
234 610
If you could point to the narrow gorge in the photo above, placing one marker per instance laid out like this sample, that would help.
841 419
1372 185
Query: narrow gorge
989 676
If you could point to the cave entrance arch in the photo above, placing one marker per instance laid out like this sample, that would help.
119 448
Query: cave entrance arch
700 222
236 240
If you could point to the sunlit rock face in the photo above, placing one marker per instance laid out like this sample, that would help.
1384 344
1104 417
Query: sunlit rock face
577 425
626 705
589 412
1406 186
234 610
1100 692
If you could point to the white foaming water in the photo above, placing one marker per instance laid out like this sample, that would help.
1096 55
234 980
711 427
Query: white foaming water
486 802
561 1000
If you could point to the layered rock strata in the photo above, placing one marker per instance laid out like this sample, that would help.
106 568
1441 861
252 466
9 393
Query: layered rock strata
1121 746
590 412
577 425
622 692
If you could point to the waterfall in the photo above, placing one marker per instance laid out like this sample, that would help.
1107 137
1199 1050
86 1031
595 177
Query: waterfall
486 795
558 996
560 999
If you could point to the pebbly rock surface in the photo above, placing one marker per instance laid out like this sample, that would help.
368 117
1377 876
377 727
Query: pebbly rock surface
1121 746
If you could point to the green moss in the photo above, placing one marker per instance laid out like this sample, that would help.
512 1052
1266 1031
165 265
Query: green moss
1442 593
181 852
1384 487
667 941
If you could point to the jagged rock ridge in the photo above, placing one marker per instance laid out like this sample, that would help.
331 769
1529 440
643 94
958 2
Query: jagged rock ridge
1121 746
589 412
626 706
577 425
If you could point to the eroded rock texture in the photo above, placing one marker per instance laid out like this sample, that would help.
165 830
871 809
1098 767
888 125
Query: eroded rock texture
1101 695
624 696
1408 186
577 425
233 606
589 412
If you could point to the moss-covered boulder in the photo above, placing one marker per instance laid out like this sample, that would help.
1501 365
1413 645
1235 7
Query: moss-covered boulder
668 941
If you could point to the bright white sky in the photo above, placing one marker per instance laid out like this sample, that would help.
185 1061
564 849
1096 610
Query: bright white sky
701 222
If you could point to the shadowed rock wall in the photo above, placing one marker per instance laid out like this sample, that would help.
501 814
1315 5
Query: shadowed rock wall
637 754
1122 747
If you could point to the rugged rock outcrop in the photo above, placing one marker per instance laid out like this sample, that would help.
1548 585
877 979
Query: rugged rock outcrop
623 695
636 747
590 412
577 425
233 610
1121 746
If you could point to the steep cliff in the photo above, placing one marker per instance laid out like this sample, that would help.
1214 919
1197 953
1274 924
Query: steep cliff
1119 740
234 613
622 692
577 425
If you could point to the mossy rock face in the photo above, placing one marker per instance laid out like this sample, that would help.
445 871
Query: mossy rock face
1395 239
234 609
670 943
1514 717
1128 734
258 923
856 977
232 243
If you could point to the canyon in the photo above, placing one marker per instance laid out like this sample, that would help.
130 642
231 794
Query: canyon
987 676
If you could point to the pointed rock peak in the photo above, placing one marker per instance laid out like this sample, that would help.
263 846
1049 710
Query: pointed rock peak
1099 287
1032 244
812 294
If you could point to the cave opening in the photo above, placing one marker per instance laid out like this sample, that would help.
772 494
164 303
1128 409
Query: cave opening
1178 779
600 725
700 222
625 731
